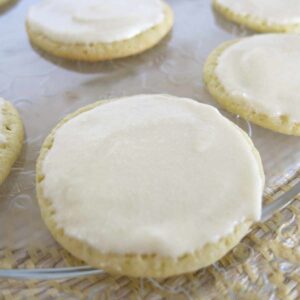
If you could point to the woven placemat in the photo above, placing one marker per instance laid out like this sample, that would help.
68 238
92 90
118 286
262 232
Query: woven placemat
265 265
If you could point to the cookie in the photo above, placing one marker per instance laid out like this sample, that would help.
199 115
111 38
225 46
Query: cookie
262 15
255 78
149 185
96 30
11 137
4 2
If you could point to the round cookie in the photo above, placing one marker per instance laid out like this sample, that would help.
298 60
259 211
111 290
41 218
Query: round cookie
11 137
98 30
255 78
136 185
4 2
262 15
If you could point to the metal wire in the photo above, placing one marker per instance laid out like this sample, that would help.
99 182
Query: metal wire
63 273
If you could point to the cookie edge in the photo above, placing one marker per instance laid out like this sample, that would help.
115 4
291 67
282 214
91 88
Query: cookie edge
134 265
238 105
253 22
14 133
105 51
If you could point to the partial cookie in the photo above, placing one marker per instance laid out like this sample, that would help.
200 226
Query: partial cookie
3 2
262 15
11 137
149 185
256 78
98 30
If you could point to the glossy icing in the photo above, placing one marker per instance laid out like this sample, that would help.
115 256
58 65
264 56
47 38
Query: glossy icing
94 21
262 70
273 11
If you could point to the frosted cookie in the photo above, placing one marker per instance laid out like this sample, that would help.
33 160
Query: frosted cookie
256 78
95 30
11 137
262 15
149 185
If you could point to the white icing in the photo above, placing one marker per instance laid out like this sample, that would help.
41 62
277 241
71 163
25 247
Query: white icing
151 174
92 21
273 11
263 70
2 136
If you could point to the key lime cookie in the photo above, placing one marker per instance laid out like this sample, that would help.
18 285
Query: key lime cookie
11 137
149 185
256 78
262 15
4 2
95 30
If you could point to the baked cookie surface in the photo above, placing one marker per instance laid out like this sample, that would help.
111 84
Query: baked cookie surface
255 78
4 2
262 15
98 30
127 185
11 137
